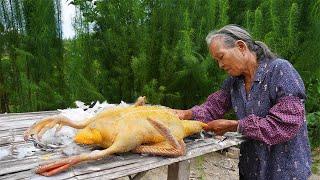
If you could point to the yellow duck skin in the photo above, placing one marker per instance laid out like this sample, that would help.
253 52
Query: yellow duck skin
141 129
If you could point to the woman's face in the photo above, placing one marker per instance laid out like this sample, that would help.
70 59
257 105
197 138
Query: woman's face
232 60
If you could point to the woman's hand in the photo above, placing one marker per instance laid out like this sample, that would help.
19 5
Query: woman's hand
183 114
221 126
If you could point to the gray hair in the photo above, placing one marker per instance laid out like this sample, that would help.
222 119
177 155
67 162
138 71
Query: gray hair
231 33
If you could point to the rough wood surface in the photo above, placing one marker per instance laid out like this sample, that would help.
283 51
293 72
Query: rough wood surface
179 170
12 127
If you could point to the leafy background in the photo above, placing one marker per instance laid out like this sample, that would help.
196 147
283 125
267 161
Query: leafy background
124 49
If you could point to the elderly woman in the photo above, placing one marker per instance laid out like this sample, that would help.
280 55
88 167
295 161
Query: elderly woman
267 95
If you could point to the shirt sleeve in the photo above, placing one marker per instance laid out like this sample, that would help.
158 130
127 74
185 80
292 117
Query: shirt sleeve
216 105
287 114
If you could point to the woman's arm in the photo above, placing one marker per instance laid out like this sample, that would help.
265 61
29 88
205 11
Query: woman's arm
216 105
281 124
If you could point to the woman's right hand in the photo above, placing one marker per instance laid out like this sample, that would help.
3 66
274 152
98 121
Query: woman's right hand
183 114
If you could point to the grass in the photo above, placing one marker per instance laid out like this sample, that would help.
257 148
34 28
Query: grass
316 161
199 165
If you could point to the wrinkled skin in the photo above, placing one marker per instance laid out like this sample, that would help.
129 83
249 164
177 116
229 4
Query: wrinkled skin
141 129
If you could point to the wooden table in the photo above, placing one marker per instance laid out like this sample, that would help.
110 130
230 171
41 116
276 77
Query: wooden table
13 125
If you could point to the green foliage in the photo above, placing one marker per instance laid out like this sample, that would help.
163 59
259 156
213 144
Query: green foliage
77 79
308 61
125 49
32 54
293 32
152 91
48 98
258 24
313 120
140 70
224 9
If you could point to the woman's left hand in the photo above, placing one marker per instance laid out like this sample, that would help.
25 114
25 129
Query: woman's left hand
221 126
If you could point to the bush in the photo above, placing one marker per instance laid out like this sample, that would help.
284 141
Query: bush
313 121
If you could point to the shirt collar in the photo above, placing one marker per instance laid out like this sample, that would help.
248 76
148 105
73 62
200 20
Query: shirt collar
262 70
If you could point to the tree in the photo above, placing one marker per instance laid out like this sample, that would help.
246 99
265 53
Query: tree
258 24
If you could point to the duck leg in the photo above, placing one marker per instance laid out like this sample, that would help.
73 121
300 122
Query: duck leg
162 149
122 143
40 127
141 101
172 147
58 166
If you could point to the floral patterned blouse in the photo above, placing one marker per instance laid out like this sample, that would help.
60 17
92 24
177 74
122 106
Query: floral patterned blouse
272 117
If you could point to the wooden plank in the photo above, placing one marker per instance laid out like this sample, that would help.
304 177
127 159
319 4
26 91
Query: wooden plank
13 164
105 167
120 171
111 162
139 175
26 116
115 169
179 170
6 140
20 122
27 113
18 175
11 138
148 163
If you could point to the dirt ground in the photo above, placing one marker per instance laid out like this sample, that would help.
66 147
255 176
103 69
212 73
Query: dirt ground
213 166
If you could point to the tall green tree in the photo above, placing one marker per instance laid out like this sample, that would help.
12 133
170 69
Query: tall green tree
258 24
224 8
